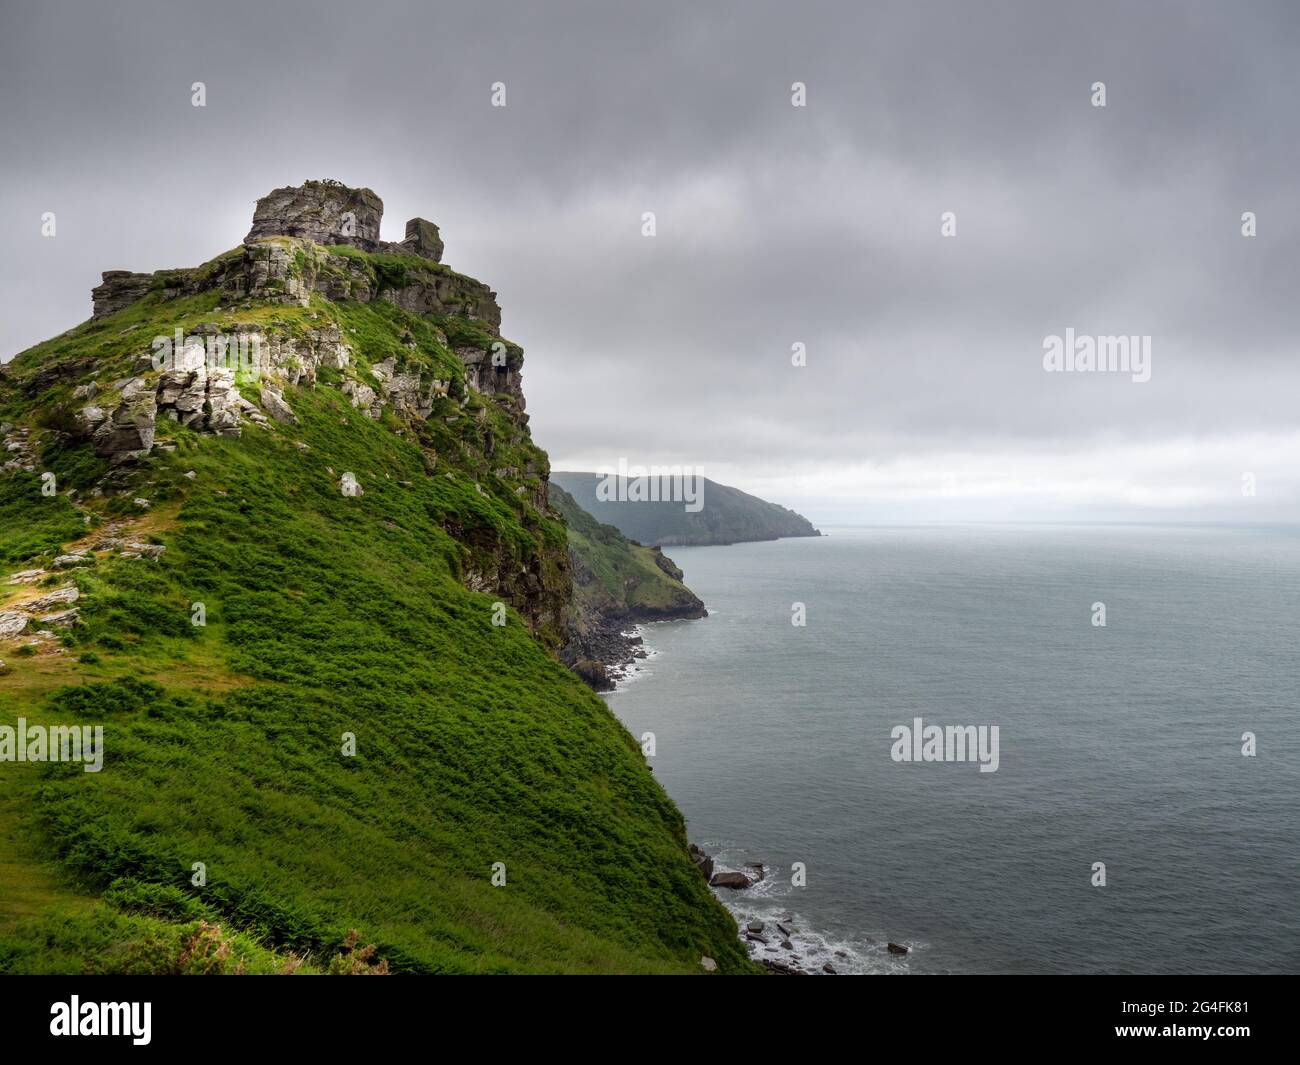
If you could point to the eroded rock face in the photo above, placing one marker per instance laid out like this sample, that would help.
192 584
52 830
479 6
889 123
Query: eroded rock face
321 211
493 373
269 275
128 432
118 289
423 239
449 294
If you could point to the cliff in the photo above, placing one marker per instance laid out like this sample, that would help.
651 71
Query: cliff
277 524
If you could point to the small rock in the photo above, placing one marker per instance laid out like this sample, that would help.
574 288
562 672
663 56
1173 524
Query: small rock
706 963
787 944
755 926
65 596
784 929
27 576
190 474
276 407
64 561
894 948
829 969
12 622
735 881
64 619
756 938
143 504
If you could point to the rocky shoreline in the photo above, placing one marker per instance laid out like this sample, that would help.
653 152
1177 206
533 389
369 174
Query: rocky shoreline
778 944
606 657
611 644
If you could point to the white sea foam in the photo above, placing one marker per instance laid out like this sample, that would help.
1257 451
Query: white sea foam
774 900
637 669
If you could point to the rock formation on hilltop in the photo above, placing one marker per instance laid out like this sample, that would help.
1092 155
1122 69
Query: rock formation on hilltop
320 211
320 241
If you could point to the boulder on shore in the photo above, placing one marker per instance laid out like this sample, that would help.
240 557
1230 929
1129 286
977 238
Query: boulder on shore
894 948
735 881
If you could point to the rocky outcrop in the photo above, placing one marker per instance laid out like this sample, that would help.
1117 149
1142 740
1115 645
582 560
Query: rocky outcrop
667 564
274 405
593 673
286 257
423 239
703 862
118 289
325 212
197 387
60 597
128 432
121 288
12 624
18 453
493 373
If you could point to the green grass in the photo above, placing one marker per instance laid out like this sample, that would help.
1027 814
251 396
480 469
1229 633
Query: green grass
328 615
625 574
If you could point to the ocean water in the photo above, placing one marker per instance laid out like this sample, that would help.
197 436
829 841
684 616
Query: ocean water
1119 744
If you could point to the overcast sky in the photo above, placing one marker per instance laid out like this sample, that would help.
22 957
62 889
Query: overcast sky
924 394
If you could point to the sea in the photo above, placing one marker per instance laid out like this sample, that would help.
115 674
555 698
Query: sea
1144 813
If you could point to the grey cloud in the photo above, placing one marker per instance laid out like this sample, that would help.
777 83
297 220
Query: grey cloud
775 224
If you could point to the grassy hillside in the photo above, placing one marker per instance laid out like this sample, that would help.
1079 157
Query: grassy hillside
617 578
728 515
326 615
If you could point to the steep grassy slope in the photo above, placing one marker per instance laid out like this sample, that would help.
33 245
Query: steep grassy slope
616 578
325 615
728 515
